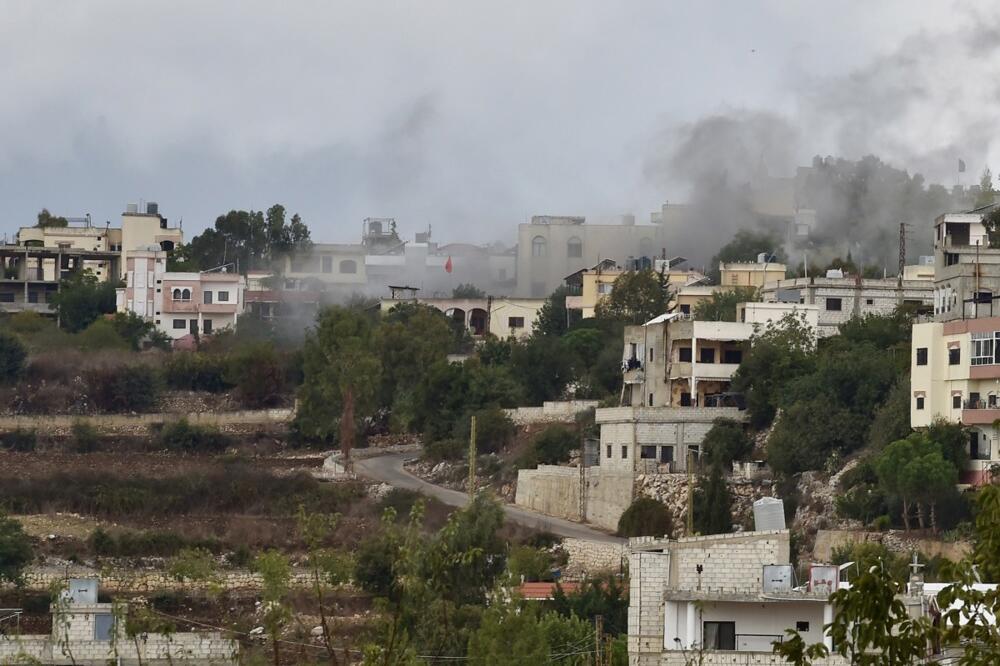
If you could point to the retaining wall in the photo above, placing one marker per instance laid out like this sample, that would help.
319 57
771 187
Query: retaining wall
121 580
550 489
561 411
109 422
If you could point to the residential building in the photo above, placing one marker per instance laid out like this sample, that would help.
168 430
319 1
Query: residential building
756 274
588 286
840 297
955 375
966 268
179 303
552 247
269 296
502 317
687 298
85 631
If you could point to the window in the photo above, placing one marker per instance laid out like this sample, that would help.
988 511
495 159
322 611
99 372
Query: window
650 354
176 295
327 264
954 356
801 626
222 296
604 288
574 248
920 402
985 348
647 453
32 296
685 309
207 326
179 324
208 298
650 399
833 304
515 322
685 399
104 624
684 354
719 635
666 454
609 451
348 266
956 401
624 452
921 355
978 450
732 356
538 246
868 301
706 355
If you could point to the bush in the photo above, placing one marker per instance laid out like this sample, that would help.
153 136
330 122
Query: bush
445 449
123 388
258 372
529 564
12 357
401 501
22 441
646 517
725 442
101 335
494 430
182 436
15 550
553 445
154 543
85 437
196 371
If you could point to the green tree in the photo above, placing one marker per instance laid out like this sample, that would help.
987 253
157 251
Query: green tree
543 367
529 564
646 517
13 356
892 417
726 441
776 355
986 547
712 502
599 595
744 247
101 335
81 299
809 432
721 306
468 290
258 372
132 328
15 550
341 372
509 635
987 194
275 572
914 470
636 297
991 221
553 317
552 446
47 219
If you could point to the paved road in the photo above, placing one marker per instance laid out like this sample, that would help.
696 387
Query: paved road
389 469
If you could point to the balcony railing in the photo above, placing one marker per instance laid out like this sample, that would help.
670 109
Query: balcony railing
980 404
756 642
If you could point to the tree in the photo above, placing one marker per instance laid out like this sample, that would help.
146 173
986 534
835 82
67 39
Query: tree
986 547
553 317
646 517
326 566
249 239
553 445
725 442
712 514
132 328
777 355
467 291
809 432
992 223
341 372
81 299
47 219
12 357
258 372
721 306
636 297
275 573
915 471
986 194
543 366
892 418
744 247
15 550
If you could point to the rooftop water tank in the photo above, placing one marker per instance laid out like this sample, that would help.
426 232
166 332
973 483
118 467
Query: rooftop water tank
153 208
80 591
768 514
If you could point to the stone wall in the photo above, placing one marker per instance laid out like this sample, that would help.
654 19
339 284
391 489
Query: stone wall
121 580
731 563
895 541
117 422
608 494
672 490
587 557
562 411
550 489
153 650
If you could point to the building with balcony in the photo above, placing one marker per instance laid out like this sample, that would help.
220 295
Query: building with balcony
955 376
966 268
179 303
588 286
502 317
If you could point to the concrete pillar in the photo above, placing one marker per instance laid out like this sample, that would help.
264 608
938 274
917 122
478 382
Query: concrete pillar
690 636
827 619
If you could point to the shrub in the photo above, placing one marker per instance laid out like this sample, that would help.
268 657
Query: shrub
22 441
646 517
494 430
182 436
101 335
196 371
725 442
553 445
12 357
258 372
529 564
153 543
401 501
85 437
445 449
123 388
15 550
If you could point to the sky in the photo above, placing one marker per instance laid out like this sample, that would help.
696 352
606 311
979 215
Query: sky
467 116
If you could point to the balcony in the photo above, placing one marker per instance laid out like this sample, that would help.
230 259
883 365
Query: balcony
980 412
715 370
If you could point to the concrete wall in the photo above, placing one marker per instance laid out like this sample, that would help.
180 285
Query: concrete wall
587 557
550 489
553 411
608 494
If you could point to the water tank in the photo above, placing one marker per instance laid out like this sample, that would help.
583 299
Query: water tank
835 273
777 578
132 208
80 591
769 514
153 208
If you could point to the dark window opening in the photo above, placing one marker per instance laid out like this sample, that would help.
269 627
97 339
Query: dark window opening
868 301
956 401
624 451
647 453
954 356
223 297
833 304
684 354
732 356
719 635
801 626
685 309
685 399
920 402
6 297
666 454
609 451
921 355
650 399
706 355
515 322
207 326
179 324
208 298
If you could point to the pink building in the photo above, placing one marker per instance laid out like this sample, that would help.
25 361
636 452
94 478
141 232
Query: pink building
177 303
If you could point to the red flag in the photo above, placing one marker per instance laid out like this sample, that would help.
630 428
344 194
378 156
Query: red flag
447 265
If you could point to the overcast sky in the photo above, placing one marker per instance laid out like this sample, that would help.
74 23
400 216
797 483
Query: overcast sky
469 116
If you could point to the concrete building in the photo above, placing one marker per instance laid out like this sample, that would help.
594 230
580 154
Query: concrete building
502 317
588 286
966 269
269 296
755 274
552 247
179 303
840 298
955 375
89 633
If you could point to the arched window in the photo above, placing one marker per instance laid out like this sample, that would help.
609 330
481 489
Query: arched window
348 266
574 248
538 246
186 295
177 294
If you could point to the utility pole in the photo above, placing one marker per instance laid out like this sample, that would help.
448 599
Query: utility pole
690 507
472 458
902 263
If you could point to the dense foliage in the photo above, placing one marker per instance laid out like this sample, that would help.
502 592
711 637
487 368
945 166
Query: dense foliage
646 517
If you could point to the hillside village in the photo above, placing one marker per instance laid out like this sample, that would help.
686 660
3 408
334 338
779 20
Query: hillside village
249 445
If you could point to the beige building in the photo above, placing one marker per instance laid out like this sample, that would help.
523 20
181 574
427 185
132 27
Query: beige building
955 375
589 285
502 317
552 247
966 269
750 274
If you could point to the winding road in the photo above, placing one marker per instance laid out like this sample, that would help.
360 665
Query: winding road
389 469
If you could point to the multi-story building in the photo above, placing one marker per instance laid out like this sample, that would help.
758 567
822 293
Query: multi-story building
552 247
966 268
747 274
502 317
841 298
179 303
588 286
955 376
